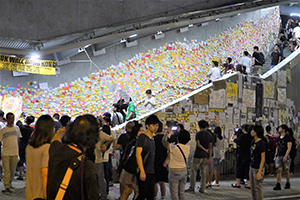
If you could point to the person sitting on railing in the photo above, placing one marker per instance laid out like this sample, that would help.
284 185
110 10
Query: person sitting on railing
214 72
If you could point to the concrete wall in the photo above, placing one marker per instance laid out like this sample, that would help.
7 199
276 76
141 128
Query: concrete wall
116 54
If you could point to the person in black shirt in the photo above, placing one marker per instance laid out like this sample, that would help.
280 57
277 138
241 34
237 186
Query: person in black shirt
257 62
227 65
293 152
276 56
257 152
282 158
26 131
243 156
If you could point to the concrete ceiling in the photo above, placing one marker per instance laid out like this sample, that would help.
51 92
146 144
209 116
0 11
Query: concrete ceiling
49 27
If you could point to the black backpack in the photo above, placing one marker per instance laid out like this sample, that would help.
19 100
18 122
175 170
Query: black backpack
261 59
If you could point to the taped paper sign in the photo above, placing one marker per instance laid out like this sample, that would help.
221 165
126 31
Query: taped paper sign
232 93
269 90
249 98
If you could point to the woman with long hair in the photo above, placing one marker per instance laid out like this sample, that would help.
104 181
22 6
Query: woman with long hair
217 155
37 157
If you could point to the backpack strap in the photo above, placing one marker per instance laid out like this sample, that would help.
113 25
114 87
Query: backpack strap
181 152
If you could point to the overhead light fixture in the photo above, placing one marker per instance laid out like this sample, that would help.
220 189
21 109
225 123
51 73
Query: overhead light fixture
86 46
204 24
122 40
295 15
34 56
218 19
134 35
238 14
159 32
191 25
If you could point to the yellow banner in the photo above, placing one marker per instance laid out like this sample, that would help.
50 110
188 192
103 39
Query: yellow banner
46 67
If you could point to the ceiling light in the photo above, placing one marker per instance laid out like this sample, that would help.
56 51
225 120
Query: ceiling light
134 35
238 14
218 19
159 32
295 14
122 40
34 56
191 25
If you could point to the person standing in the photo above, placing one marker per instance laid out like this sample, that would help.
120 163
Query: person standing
214 72
257 61
117 117
246 61
282 158
217 154
270 151
56 118
130 111
150 101
26 131
276 56
227 65
257 151
178 161
37 157
201 156
145 156
10 136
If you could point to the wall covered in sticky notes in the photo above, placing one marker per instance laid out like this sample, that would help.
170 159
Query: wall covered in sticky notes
171 69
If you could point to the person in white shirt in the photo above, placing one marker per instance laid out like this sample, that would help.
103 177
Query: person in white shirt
9 136
179 154
150 101
296 34
214 72
245 60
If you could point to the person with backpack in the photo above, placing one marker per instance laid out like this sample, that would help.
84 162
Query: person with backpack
270 151
128 174
145 156
258 60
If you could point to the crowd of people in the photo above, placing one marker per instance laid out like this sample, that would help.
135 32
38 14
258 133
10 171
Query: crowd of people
72 160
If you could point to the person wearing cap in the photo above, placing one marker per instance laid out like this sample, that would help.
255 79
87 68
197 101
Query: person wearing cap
150 101
214 72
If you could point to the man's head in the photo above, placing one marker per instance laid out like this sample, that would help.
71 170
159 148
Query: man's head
128 127
283 128
246 53
215 63
149 92
268 129
276 47
184 136
10 118
255 48
228 60
152 123
65 120
56 116
29 119
203 124
258 131
116 107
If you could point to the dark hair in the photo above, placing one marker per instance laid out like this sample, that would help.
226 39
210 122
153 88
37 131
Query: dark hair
202 124
135 122
268 128
130 99
277 45
216 63
152 119
107 114
172 123
148 91
259 131
291 132
256 47
160 127
84 131
229 59
106 129
43 132
284 127
134 132
1 113
184 136
64 120
246 53
218 132
245 126
129 126
29 119
9 114
56 116
107 119
181 126
117 106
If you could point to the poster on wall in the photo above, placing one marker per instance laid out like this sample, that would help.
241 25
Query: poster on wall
249 98
269 90
281 78
217 99
12 104
232 93
281 95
